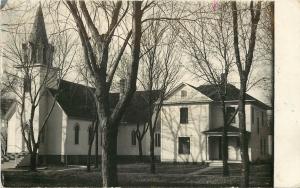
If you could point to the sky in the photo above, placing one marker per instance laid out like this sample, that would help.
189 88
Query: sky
24 12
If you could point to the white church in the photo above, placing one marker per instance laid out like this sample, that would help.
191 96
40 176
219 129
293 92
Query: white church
189 128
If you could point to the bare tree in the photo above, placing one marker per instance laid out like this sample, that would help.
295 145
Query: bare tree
159 73
208 42
96 52
244 67
35 66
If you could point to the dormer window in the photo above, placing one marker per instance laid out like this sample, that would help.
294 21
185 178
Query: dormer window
183 93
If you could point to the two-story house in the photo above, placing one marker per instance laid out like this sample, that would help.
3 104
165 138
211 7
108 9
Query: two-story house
192 125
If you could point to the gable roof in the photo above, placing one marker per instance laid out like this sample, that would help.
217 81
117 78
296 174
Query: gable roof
77 101
232 94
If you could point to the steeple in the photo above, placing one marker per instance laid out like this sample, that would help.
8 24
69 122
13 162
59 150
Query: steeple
37 50
38 32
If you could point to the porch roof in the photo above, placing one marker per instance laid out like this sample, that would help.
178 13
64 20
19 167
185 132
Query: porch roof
230 131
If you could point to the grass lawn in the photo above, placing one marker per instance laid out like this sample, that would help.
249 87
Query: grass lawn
137 174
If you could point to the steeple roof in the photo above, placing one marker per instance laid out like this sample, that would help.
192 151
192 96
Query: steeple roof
38 33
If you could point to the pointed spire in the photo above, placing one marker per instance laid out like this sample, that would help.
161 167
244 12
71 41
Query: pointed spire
38 33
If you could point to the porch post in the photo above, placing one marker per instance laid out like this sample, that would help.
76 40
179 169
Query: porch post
207 147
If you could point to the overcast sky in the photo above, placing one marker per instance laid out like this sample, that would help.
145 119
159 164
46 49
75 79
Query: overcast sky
24 13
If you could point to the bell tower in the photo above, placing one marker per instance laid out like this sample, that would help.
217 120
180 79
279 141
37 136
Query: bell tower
38 56
38 73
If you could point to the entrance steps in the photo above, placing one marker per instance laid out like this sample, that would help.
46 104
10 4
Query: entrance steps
218 163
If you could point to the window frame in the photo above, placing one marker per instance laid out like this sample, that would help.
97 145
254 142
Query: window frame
252 115
184 111
76 134
157 140
257 124
181 143
262 118
133 138
183 93
229 115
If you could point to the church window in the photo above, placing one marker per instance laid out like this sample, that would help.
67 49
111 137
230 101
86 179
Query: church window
42 137
90 134
133 138
76 129
157 139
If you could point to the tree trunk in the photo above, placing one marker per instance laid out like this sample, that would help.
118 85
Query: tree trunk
109 156
140 149
33 159
225 142
88 164
243 137
96 148
152 158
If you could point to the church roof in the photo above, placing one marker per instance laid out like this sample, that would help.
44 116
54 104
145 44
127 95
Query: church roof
38 33
232 94
77 101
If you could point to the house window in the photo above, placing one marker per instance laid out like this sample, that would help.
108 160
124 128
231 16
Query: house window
27 84
265 146
184 145
90 132
76 129
230 112
133 138
184 115
262 119
252 115
261 146
238 144
257 121
183 93
101 137
42 137
157 140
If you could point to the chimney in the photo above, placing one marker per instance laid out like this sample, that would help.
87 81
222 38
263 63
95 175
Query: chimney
122 87
223 78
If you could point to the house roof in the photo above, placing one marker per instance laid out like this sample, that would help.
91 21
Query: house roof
77 101
232 94
219 130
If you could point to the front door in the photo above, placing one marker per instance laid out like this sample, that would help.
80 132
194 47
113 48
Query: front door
215 147
220 147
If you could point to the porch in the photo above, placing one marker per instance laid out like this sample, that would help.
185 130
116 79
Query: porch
214 145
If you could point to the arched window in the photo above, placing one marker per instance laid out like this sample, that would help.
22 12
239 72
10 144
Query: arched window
133 138
76 129
90 134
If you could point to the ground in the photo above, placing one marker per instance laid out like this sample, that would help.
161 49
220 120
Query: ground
137 174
